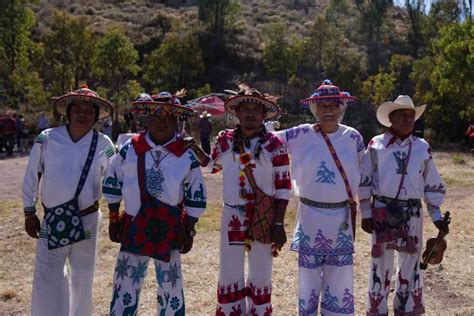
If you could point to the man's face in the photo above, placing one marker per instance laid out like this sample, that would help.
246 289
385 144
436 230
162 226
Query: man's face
162 127
403 121
82 115
250 115
328 112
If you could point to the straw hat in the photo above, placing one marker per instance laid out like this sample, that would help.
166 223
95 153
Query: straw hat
83 95
403 102
327 92
250 95
163 103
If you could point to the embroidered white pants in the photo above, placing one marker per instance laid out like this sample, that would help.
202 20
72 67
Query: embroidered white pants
408 295
53 294
332 277
130 273
235 296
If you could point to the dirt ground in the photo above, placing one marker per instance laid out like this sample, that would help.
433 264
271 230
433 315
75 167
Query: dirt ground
449 287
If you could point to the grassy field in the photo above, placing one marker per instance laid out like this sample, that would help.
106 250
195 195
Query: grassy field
449 287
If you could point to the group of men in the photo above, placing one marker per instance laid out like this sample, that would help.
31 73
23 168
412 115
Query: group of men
158 175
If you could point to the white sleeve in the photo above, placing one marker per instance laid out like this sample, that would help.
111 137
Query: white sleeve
32 174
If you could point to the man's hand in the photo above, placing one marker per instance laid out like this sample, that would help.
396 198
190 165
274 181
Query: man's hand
188 237
367 225
278 235
115 232
187 244
442 226
32 225
115 227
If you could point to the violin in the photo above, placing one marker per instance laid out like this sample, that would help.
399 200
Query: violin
435 246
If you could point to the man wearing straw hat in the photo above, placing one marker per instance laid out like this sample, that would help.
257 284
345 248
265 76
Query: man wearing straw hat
326 165
164 193
71 161
402 173
256 189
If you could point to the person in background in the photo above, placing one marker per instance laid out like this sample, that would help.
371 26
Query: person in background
9 133
205 130
42 122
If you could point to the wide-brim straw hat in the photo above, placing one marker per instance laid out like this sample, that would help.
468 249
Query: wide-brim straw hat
249 95
83 95
403 102
327 92
163 103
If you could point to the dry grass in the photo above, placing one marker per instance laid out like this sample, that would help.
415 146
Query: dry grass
449 286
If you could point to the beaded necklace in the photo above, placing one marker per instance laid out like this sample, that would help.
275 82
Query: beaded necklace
246 157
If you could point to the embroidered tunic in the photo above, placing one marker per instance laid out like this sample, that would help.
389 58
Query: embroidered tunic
172 173
273 161
60 161
317 178
389 157
422 181
271 173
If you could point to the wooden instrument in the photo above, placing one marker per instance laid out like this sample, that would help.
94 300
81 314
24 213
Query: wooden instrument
435 247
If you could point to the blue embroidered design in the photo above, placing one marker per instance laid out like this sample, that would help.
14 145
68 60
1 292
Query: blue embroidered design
325 175
122 267
174 303
173 274
160 276
330 302
322 247
127 299
154 182
343 240
293 133
365 181
321 242
401 158
339 261
138 272
311 308
359 142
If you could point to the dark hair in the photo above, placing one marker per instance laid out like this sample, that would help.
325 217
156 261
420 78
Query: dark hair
71 104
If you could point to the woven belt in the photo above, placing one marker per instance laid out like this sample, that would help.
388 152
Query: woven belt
237 207
410 203
91 209
323 204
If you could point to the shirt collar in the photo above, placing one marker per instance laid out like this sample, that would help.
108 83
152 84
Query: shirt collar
174 145
395 140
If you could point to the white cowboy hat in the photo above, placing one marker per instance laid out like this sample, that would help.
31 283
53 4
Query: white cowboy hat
205 114
403 102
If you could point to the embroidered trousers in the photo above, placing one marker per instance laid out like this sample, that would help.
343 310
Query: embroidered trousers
130 272
235 295
408 298
53 294
331 275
